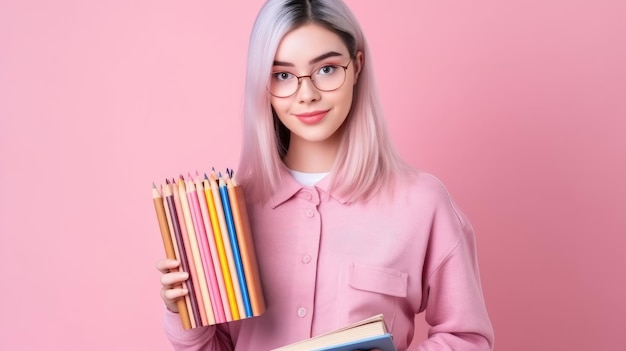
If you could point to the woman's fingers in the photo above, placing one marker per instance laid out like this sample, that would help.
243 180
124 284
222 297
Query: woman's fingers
173 294
170 296
169 280
166 264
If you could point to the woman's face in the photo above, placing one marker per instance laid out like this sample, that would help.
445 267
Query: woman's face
310 113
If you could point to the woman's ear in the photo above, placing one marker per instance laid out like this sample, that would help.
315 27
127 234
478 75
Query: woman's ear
358 65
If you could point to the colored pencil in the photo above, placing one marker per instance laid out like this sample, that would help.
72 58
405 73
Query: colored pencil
203 246
246 245
197 293
220 315
177 253
169 248
204 225
194 310
230 224
227 247
228 299
206 314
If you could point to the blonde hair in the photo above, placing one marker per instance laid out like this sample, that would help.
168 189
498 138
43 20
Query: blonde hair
366 160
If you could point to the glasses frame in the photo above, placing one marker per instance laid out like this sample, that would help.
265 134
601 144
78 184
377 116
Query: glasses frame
310 76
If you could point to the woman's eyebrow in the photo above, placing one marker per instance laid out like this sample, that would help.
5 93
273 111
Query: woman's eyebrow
325 56
313 61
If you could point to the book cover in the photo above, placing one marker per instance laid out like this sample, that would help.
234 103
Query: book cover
382 342
367 334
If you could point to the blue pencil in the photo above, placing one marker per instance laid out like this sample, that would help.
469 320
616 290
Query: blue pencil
230 223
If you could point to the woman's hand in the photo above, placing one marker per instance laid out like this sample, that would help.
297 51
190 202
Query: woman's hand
171 280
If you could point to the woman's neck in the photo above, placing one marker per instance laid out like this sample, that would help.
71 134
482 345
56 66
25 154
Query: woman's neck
311 157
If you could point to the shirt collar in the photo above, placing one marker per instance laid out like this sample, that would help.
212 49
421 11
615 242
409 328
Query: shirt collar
289 187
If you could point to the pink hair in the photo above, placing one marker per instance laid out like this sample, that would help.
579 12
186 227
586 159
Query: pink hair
366 160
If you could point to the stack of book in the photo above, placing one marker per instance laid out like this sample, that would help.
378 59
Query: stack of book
204 225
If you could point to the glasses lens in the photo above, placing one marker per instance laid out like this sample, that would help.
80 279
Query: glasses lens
283 84
329 77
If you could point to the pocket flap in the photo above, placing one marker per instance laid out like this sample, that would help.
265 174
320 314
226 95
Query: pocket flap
377 279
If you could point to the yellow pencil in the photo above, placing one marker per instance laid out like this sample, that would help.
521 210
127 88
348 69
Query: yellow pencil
220 314
223 245
213 180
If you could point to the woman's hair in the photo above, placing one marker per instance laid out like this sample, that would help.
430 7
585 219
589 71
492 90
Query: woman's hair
366 160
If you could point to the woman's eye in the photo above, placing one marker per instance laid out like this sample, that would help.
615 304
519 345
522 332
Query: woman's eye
282 76
328 69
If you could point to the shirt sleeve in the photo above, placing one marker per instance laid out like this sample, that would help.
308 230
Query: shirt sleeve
209 338
453 298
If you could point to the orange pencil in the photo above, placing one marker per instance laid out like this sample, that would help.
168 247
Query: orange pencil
167 193
246 245
169 248
196 294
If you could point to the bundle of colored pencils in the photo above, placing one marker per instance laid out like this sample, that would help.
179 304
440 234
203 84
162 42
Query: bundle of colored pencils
204 225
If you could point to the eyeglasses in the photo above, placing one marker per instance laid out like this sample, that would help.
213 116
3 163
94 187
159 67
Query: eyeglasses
325 78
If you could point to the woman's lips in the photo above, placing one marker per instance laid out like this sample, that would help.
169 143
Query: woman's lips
311 117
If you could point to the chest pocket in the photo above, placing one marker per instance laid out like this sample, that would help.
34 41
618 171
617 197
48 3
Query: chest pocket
377 279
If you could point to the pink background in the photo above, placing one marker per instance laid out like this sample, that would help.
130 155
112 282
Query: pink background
518 106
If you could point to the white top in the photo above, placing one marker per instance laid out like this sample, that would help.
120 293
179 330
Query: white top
308 179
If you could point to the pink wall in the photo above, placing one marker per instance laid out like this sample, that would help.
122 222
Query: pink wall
518 106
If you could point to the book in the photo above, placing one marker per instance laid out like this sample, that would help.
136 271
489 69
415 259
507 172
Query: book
370 333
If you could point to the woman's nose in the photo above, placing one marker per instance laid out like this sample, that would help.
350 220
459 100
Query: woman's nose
307 91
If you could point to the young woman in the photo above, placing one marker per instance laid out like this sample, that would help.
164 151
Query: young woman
343 228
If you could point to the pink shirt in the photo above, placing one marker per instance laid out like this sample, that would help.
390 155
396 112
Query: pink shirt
326 263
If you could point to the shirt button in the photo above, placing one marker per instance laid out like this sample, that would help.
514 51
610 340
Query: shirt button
306 259
310 213
301 312
308 196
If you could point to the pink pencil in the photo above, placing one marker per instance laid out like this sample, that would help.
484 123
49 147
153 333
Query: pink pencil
208 228
203 246
195 249
202 318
